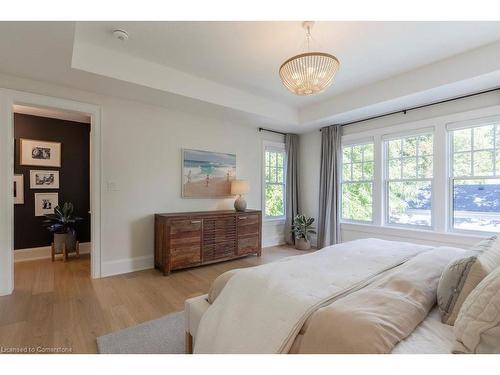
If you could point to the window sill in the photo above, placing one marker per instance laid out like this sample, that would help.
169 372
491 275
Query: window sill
276 221
405 233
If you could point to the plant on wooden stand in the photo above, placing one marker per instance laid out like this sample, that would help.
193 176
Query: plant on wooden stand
302 228
62 223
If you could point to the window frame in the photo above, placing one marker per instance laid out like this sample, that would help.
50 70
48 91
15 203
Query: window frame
450 129
386 176
441 191
372 181
277 147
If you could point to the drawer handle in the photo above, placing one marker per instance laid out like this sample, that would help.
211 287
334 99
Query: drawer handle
243 218
195 221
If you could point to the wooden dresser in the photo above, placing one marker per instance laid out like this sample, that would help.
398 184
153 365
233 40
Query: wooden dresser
190 239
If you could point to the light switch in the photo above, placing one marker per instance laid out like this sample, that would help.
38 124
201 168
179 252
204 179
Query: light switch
112 186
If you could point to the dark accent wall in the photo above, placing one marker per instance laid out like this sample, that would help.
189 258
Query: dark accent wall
74 177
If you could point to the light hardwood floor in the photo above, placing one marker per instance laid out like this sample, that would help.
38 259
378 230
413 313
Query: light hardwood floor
56 304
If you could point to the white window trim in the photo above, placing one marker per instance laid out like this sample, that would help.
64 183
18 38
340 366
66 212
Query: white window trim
450 128
441 187
368 140
277 146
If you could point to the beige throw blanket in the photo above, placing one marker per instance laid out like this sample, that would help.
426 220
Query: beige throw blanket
376 318
262 309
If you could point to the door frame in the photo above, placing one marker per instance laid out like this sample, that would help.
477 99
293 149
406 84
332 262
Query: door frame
9 98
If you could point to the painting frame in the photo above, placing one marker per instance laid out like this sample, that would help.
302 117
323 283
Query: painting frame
18 189
40 210
38 153
44 182
218 161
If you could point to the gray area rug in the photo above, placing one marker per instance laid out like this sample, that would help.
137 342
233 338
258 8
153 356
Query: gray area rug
160 336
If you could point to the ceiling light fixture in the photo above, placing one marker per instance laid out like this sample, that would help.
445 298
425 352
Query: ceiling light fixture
311 72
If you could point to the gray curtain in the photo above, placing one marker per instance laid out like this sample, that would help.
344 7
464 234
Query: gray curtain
292 184
329 186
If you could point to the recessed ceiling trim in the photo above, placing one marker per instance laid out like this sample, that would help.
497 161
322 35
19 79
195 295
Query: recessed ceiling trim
113 64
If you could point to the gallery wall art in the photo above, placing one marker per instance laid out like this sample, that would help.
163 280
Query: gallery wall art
40 153
18 189
45 203
207 174
44 179
69 143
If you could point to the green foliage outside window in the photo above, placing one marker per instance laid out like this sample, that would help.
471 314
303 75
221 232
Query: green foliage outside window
357 182
409 172
275 183
475 152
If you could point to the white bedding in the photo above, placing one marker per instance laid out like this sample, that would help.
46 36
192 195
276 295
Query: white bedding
268 304
430 337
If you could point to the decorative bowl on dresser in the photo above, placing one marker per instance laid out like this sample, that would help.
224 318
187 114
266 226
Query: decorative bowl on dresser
190 239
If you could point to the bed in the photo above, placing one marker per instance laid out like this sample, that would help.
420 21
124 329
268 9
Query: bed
430 337
364 296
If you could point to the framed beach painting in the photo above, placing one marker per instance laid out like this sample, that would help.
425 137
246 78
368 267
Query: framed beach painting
18 189
44 179
45 203
40 153
207 174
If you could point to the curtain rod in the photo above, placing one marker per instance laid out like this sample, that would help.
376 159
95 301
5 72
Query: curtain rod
271 131
404 111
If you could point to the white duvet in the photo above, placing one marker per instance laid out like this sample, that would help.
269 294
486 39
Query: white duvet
262 309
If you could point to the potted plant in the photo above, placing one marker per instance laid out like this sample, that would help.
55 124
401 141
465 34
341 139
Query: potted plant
302 228
62 223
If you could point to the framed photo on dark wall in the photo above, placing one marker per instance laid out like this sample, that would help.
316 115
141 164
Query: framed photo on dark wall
45 203
40 153
18 189
44 179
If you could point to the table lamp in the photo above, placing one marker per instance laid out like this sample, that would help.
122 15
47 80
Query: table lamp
240 187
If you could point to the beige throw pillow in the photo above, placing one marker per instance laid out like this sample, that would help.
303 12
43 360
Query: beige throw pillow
477 328
463 275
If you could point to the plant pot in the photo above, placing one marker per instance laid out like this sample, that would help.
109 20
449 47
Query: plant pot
302 244
64 238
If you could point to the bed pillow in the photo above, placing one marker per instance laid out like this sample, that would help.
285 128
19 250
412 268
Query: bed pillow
477 328
484 244
462 275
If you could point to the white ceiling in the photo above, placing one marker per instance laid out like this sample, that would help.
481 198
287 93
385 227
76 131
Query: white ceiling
247 55
232 67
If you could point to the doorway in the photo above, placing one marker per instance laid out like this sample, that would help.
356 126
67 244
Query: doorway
10 103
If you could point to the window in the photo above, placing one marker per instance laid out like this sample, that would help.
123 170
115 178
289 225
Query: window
357 182
274 181
475 178
408 174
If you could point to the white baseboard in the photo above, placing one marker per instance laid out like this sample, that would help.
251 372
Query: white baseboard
273 241
23 255
116 267
6 292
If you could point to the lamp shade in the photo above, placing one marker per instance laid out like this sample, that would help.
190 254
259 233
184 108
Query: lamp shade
239 187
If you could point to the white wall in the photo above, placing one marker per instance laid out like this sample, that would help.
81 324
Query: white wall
310 144
141 158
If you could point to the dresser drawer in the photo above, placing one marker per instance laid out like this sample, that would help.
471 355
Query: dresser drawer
185 256
221 250
248 225
185 228
248 245
185 243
